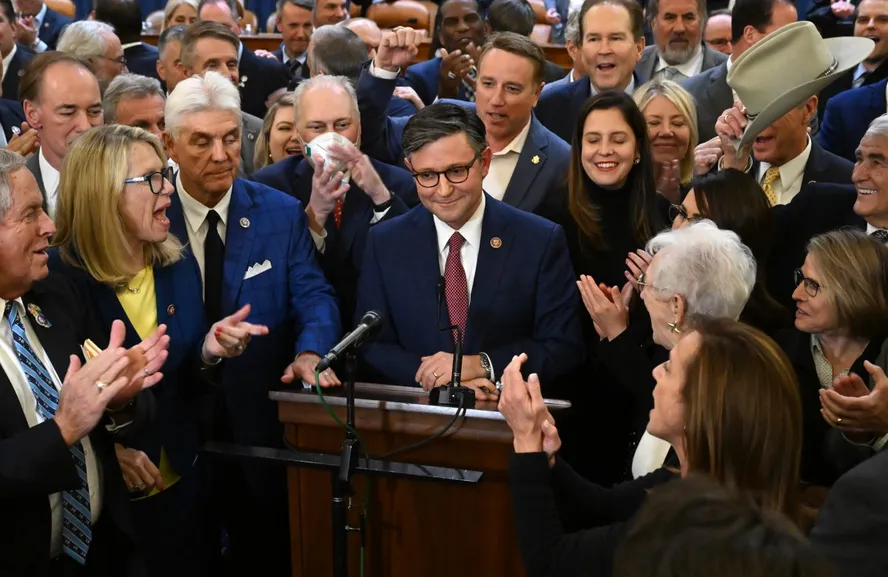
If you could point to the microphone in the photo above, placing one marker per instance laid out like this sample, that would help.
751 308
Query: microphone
370 324
454 394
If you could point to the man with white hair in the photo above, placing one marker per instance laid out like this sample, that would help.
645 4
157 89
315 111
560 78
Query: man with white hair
339 216
96 43
262 237
134 100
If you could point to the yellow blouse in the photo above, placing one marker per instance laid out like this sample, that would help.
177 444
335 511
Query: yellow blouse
139 302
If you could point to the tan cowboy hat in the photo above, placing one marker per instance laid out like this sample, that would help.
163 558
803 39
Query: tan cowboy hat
786 68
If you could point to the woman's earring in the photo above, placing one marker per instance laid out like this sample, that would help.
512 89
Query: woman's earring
637 160
674 327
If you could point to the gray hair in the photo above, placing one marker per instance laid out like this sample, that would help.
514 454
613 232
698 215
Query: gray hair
9 162
86 39
128 86
878 127
653 9
325 81
709 267
231 4
440 120
306 4
572 29
171 34
336 50
212 91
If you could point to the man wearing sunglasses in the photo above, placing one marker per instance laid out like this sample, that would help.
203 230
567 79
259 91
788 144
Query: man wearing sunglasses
97 44
464 259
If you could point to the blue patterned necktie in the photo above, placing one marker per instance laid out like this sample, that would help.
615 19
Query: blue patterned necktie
467 87
76 515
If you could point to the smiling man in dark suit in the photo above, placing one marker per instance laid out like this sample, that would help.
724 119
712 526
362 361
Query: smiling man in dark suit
504 275
62 489
294 22
259 79
39 27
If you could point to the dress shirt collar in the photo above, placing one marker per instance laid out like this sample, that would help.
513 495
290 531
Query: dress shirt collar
287 58
870 229
570 75
49 173
8 59
792 170
690 68
471 230
630 90
195 212
517 144
240 51
38 18
130 45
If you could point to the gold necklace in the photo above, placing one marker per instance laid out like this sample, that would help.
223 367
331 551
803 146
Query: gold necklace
136 290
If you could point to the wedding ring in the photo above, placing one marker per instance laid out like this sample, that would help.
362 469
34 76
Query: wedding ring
147 373
839 420
239 347
138 487
726 118
101 386
436 374
451 75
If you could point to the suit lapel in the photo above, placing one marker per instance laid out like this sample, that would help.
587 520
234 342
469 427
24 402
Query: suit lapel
33 164
530 162
56 341
238 244
814 169
489 269
110 309
356 213
424 257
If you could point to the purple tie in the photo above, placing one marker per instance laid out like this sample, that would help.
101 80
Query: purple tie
456 286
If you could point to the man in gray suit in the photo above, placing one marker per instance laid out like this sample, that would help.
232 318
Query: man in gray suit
61 101
678 52
201 50
751 20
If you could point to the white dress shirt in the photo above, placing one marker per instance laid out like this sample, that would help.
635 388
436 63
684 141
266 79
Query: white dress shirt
870 229
39 45
630 90
320 240
791 173
6 61
13 370
729 63
503 163
50 183
287 58
471 231
690 68
196 221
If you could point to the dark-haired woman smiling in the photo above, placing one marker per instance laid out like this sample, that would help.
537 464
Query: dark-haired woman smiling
611 210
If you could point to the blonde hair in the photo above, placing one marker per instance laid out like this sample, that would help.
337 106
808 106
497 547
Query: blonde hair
262 154
90 231
171 7
681 99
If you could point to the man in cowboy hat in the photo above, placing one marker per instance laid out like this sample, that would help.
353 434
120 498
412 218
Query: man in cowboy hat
777 82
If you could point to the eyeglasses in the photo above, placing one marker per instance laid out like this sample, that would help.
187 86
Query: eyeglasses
642 281
154 179
454 174
812 287
120 60
676 210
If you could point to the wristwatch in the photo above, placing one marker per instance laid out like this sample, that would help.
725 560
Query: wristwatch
385 205
487 366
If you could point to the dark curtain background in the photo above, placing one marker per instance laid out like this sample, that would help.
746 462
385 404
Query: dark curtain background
262 8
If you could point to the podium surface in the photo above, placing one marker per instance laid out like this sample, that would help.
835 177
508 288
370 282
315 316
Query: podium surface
415 527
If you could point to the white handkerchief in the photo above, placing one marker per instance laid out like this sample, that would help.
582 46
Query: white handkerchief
258 269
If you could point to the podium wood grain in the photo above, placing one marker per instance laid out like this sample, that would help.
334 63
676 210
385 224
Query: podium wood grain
415 528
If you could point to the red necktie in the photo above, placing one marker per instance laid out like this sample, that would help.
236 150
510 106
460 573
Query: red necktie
337 212
455 286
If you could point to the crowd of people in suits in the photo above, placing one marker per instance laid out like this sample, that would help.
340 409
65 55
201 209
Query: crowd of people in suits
684 235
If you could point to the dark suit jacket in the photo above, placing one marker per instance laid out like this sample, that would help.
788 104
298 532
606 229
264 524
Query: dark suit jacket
650 57
822 166
531 181
33 164
844 83
12 75
848 116
53 24
552 72
712 95
423 77
344 247
142 59
11 114
523 298
35 462
304 73
292 298
259 78
852 525
179 397
821 15
559 107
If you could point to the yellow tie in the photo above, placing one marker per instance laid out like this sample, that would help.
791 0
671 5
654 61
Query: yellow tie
771 176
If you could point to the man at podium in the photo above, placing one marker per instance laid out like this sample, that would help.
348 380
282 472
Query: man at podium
464 259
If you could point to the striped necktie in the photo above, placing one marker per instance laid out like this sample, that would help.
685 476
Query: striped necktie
880 235
76 515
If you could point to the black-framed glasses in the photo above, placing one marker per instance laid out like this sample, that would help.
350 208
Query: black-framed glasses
677 210
120 59
812 287
154 179
454 174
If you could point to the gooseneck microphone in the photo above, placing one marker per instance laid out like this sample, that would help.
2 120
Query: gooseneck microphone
454 394
370 324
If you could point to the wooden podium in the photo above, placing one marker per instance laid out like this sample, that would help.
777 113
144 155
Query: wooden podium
415 527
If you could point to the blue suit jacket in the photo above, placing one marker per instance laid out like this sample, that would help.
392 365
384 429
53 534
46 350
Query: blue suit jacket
53 24
12 76
559 107
259 78
11 114
292 299
142 59
847 117
344 247
423 77
180 399
524 297
530 183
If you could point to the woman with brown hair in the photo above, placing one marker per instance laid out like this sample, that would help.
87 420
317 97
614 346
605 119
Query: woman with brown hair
727 400
841 321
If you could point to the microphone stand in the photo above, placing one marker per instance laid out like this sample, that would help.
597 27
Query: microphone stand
342 489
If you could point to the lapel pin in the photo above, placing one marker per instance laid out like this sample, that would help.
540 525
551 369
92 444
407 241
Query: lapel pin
171 310
251 137
496 242
38 316
535 159
245 222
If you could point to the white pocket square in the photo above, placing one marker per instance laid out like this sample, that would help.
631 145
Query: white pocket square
258 269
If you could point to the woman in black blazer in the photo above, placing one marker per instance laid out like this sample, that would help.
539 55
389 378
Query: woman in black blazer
727 401
841 320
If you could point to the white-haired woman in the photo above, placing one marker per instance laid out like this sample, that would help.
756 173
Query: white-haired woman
698 270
